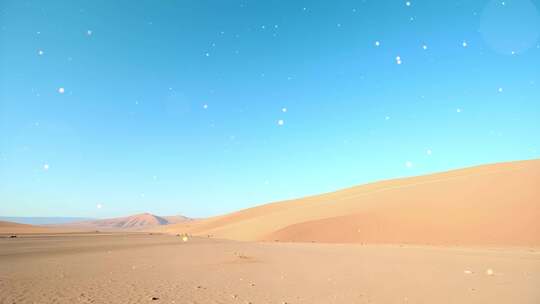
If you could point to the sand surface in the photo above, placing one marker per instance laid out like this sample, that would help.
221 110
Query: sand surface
497 204
10 228
134 268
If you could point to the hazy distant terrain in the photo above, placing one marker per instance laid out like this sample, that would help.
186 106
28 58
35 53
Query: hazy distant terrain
43 220
134 222
11 228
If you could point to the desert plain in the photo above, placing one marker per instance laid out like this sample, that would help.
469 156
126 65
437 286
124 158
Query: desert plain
464 236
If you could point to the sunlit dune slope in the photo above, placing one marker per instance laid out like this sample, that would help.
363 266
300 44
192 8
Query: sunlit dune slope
497 204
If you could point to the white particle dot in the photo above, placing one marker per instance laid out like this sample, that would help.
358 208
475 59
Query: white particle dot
89 32
61 90
424 47
408 164
408 3
500 90
284 110
377 43
40 52
428 152
99 206
205 106
46 167
207 54
387 118
464 44
280 122
458 110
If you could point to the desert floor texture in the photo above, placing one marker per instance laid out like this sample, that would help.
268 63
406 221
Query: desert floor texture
159 268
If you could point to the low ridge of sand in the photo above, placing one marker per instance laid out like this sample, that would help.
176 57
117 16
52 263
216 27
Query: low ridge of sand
496 204
16 228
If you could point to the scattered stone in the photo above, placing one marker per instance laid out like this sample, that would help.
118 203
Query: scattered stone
12 236
467 272
490 272
155 298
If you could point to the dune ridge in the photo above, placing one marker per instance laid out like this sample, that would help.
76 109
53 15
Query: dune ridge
495 204
16 228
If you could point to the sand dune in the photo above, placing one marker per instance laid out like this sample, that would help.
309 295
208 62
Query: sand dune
16 228
134 222
497 204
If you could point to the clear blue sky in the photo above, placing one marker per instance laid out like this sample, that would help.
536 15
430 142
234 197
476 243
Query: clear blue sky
109 108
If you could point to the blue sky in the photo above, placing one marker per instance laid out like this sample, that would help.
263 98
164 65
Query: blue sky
109 108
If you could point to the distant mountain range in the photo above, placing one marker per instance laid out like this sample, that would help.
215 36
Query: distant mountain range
133 222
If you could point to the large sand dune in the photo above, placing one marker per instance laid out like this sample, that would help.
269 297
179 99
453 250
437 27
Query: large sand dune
496 204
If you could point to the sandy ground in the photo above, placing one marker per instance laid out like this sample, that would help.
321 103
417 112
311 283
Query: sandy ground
134 268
